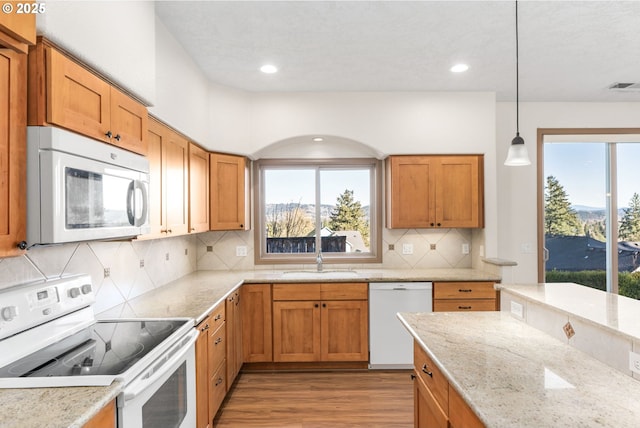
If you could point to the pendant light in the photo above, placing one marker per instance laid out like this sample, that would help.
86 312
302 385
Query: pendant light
517 155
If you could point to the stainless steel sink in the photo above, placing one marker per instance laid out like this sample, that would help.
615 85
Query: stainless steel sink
303 274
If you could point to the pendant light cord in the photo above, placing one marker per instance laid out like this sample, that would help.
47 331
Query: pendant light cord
517 78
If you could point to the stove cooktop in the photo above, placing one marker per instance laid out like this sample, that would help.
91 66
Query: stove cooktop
100 352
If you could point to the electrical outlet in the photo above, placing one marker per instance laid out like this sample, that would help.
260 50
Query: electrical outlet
517 309
107 272
241 251
407 248
166 256
141 263
465 248
634 362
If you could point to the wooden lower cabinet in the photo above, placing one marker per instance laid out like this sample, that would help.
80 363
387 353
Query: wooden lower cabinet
465 296
436 403
329 322
234 337
105 418
210 360
257 337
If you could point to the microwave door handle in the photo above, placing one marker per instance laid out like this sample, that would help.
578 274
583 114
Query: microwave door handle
131 191
145 203
131 215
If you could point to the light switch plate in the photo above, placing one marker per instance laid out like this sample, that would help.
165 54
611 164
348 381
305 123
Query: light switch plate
407 248
634 362
517 309
465 248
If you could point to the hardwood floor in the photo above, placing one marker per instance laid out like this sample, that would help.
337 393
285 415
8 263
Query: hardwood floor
322 400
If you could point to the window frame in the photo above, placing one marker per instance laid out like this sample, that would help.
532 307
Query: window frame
589 133
375 211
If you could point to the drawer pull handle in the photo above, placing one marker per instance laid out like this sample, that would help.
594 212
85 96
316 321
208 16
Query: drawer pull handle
218 340
217 317
413 377
465 290
206 327
464 307
219 381
426 370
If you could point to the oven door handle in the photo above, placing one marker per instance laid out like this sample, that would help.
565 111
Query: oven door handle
156 371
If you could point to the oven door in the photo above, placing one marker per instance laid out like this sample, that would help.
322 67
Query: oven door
164 395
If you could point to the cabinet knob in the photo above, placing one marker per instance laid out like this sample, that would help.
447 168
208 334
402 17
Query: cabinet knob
117 137
22 245
439 224
316 305
432 224
108 134
413 377
425 369
242 226
324 305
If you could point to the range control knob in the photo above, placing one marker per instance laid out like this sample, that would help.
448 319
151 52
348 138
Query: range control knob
74 292
9 313
86 289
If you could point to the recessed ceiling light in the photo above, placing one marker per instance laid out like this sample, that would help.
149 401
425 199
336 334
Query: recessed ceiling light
459 68
318 139
269 69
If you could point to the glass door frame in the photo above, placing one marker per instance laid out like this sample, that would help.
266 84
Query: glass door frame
592 133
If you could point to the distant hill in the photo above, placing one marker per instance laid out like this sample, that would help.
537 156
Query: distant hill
586 213
310 209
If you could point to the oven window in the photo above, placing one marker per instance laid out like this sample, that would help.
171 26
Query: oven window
168 406
95 200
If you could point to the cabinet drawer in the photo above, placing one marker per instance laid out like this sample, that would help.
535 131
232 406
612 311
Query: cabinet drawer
217 389
296 291
464 290
431 376
344 291
217 346
217 316
452 305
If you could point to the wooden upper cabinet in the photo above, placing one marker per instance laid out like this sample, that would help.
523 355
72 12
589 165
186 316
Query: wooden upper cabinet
198 189
64 93
18 30
229 192
426 191
13 115
168 181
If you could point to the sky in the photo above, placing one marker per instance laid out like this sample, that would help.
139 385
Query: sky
581 170
283 186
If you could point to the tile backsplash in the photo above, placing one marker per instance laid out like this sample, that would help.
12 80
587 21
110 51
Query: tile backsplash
122 270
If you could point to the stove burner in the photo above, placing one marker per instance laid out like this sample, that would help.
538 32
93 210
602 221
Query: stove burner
25 367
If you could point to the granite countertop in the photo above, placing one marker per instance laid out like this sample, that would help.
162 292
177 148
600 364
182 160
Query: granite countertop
619 314
195 295
192 296
513 375
70 407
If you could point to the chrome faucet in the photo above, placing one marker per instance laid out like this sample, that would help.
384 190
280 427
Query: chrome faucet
319 261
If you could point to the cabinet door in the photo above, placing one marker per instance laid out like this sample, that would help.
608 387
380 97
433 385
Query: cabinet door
157 218
175 153
105 418
345 331
198 189
18 30
202 375
129 123
459 192
296 331
13 117
257 342
76 98
228 192
427 412
234 337
460 414
411 198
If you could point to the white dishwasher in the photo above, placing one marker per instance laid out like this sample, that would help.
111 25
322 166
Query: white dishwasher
390 344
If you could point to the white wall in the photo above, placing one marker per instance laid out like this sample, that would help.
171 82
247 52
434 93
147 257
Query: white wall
117 38
517 187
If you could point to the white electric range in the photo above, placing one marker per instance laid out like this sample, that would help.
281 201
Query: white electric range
49 337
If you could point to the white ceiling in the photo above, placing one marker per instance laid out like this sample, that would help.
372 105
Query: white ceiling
569 50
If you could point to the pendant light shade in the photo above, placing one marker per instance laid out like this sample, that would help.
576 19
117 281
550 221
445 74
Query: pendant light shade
518 155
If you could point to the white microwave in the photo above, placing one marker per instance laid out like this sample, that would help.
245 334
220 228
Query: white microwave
80 189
